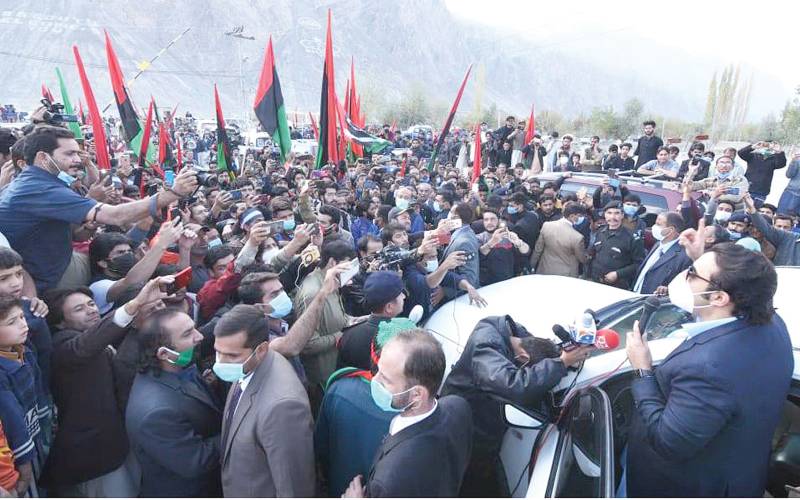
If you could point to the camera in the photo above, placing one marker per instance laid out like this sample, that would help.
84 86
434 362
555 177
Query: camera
53 113
394 258
206 179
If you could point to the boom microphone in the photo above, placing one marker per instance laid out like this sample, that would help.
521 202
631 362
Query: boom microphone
606 340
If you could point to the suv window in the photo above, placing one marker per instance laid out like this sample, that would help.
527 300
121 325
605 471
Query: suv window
583 463
653 200
665 320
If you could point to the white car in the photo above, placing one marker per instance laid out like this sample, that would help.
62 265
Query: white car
578 457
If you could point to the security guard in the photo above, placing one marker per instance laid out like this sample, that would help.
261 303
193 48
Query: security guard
617 252
384 298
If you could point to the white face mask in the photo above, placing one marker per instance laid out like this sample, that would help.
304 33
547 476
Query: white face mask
682 296
431 265
268 255
722 216
563 160
659 232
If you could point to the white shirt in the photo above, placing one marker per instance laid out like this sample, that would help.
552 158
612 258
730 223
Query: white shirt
661 250
400 422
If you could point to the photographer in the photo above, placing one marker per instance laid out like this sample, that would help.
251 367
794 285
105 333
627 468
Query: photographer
696 163
502 362
763 159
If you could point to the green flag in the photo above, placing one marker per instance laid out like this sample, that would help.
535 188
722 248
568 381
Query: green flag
73 126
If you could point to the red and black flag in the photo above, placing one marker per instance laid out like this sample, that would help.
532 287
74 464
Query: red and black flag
531 128
476 166
165 159
449 121
98 127
224 158
328 149
130 121
148 125
47 94
81 114
269 106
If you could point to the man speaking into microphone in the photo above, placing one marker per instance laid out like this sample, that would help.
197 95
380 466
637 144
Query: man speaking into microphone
704 418
502 362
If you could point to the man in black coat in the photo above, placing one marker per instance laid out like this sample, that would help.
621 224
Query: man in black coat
762 160
173 420
428 446
648 144
88 455
501 363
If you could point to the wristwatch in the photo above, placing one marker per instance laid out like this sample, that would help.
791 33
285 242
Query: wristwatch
642 373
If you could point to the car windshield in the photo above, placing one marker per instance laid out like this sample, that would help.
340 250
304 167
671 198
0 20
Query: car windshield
621 316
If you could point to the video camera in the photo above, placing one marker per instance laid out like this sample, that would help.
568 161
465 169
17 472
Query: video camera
394 258
53 113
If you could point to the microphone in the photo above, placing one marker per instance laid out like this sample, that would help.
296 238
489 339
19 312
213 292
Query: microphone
651 305
416 313
562 333
606 340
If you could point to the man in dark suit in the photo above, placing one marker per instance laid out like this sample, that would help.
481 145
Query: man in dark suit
667 259
88 456
172 419
429 441
704 421
267 432
465 240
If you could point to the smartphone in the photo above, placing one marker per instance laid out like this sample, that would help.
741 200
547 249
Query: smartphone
169 177
175 214
236 194
613 183
346 276
734 191
109 179
275 227
182 280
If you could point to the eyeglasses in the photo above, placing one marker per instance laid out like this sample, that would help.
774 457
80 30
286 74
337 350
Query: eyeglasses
692 273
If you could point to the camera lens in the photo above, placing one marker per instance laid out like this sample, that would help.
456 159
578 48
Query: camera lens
206 179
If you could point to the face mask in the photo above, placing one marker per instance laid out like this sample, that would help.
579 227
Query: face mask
401 203
722 216
563 160
681 295
383 398
630 210
437 207
184 358
579 221
724 175
764 152
281 306
288 225
735 235
268 255
512 210
431 265
121 264
214 243
66 178
231 372
658 232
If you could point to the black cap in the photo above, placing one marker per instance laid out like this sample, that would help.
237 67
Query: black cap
382 287
613 204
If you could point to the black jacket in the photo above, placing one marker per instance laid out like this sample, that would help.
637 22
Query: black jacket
527 226
760 168
356 342
486 376
91 439
174 425
646 149
426 459
619 250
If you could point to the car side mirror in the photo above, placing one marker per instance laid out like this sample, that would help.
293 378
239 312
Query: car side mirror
520 419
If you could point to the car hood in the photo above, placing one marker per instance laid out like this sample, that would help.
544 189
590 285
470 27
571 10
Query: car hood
535 301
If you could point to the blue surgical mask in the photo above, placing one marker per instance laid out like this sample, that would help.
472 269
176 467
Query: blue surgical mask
437 207
579 221
66 178
288 225
512 210
214 243
231 372
724 175
401 203
431 265
735 235
281 306
383 398
630 210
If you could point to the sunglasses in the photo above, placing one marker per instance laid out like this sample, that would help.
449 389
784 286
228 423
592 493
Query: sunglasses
692 273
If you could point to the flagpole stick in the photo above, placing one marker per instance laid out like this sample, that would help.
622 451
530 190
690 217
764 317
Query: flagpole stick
150 62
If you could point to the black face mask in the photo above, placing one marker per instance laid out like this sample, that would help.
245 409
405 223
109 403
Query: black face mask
121 264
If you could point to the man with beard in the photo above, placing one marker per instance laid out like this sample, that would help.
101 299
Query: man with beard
499 249
648 144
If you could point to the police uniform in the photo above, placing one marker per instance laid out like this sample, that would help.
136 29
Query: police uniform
617 250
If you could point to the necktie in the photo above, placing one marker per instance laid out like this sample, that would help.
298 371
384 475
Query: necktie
237 394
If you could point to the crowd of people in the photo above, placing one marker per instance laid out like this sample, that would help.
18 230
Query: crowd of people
256 332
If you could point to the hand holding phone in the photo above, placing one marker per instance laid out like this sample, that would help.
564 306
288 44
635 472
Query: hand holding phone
348 275
236 195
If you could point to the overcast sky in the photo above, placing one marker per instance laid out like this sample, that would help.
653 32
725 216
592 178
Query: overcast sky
762 34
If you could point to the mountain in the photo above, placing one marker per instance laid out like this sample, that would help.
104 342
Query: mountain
396 46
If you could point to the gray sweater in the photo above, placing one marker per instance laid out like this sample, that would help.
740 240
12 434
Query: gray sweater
793 173
787 243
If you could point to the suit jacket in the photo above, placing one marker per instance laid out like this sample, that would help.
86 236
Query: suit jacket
465 240
91 439
669 265
173 426
426 459
703 425
559 249
268 451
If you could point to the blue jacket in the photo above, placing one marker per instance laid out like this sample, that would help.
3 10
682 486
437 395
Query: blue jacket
174 425
703 426
669 265
23 407
350 429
